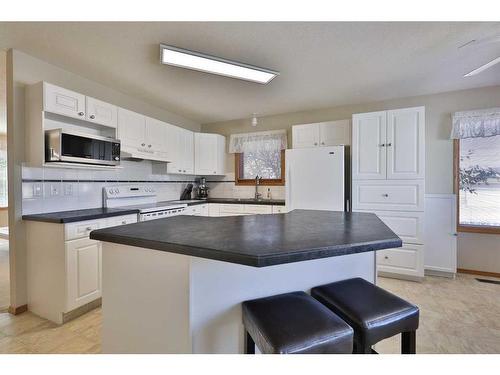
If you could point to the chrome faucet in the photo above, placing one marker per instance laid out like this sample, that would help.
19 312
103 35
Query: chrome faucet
257 182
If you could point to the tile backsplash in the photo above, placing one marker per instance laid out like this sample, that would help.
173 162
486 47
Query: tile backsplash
52 189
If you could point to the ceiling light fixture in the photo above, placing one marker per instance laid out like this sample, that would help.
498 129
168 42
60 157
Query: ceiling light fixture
215 65
254 121
483 67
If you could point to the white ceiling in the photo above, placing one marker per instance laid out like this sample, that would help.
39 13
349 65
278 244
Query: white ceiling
322 64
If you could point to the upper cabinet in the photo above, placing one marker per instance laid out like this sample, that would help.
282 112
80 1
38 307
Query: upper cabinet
320 134
180 144
209 154
101 112
388 144
72 104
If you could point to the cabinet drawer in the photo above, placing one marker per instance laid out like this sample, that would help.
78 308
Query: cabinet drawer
199 210
121 220
279 209
406 260
231 208
409 226
82 229
388 195
257 209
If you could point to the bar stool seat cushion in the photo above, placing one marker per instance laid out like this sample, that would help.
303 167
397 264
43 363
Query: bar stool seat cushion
374 313
295 323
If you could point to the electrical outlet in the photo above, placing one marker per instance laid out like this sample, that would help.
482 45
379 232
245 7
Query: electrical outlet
54 190
37 190
68 189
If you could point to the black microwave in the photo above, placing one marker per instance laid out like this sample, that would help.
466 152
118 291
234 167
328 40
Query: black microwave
73 147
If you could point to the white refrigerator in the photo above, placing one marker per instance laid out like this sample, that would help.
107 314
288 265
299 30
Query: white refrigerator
316 178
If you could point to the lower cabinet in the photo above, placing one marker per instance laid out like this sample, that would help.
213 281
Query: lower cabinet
83 272
229 209
406 260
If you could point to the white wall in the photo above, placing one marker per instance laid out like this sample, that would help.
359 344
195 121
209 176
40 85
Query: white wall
23 70
475 251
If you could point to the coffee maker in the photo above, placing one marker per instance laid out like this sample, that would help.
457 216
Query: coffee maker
202 189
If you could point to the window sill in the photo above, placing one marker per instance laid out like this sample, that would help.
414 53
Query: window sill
478 229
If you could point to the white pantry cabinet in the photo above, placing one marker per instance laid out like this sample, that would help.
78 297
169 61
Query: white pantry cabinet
209 154
389 144
320 134
388 173
180 146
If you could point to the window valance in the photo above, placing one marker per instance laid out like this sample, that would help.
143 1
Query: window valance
259 141
478 123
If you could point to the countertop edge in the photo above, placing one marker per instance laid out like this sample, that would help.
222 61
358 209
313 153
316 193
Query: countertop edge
46 219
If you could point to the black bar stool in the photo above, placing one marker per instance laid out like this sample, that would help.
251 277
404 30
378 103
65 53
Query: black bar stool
374 313
294 323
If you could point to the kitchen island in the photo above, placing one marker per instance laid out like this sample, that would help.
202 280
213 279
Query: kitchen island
176 285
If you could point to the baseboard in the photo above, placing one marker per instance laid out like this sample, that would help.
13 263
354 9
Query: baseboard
480 273
18 310
79 311
400 276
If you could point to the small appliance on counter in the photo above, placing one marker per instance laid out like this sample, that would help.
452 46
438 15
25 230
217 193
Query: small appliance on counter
186 194
202 189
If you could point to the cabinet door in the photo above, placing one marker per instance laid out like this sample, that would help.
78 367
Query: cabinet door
83 272
101 112
221 154
405 143
333 133
131 129
304 136
187 152
155 137
63 102
369 146
174 149
205 154
406 260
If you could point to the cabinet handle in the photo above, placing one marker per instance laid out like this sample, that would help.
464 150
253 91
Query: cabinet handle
322 143
88 228
149 145
81 113
389 144
386 257
143 144
180 170
184 170
385 195
215 172
382 145
315 143
92 117
124 222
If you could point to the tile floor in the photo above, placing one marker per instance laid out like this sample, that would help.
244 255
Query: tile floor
457 316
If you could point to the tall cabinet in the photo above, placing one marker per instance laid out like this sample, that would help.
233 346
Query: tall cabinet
388 172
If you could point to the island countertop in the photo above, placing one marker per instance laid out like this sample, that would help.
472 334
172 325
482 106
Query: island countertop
259 240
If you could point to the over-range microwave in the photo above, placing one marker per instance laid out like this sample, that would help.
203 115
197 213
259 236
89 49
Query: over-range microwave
73 147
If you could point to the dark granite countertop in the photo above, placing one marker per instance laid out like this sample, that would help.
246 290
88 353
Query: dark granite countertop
79 215
259 240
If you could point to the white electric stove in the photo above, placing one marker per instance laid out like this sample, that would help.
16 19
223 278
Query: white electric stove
144 199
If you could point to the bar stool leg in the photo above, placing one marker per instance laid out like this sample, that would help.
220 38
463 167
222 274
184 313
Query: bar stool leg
409 342
249 344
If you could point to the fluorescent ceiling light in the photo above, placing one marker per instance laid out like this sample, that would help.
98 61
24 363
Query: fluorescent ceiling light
205 63
483 67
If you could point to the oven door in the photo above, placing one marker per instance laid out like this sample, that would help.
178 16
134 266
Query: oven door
81 148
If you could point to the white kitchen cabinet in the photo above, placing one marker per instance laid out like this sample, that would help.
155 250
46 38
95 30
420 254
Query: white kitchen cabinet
368 146
392 195
388 179
131 130
279 209
63 102
67 274
209 154
180 150
198 210
83 262
406 261
235 209
405 143
389 144
155 138
100 112
257 209
319 134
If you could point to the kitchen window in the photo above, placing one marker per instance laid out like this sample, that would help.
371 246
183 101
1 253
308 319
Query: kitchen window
259 154
477 174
